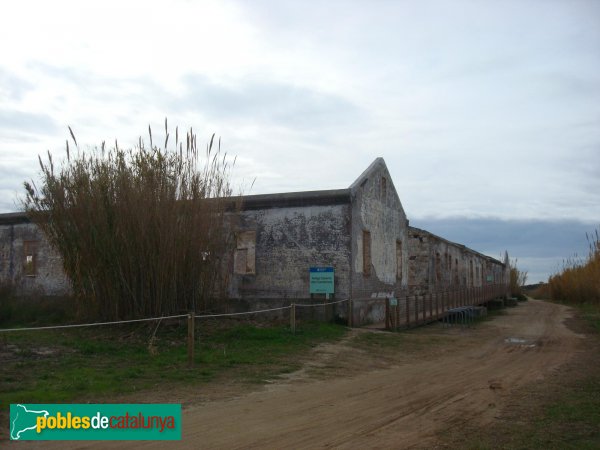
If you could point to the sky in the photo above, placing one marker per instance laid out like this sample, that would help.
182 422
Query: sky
487 113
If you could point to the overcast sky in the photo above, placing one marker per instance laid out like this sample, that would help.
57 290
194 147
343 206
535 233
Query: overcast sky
487 112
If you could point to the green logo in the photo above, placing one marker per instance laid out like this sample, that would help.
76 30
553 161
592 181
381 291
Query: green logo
79 422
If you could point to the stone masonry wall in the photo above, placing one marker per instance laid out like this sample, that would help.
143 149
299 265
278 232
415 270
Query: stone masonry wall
379 267
436 264
28 263
290 240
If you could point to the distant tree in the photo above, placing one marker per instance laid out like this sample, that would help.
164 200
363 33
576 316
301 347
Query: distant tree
141 232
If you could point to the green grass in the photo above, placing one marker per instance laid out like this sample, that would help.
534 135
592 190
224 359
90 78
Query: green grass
568 419
86 364
591 313
574 420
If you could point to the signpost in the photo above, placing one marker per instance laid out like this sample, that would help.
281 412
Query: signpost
322 280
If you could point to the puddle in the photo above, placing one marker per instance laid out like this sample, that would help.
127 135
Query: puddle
519 341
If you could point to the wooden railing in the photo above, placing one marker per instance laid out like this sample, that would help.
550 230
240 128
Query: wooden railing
414 310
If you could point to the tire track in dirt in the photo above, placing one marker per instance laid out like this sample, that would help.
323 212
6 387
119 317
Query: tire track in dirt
402 405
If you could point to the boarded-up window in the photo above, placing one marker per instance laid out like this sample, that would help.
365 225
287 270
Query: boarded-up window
30 258
244 260
438 268
399 260
383 188
456 280
472 279
366 253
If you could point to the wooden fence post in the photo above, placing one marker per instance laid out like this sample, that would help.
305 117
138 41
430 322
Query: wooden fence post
407 311
387 313
416 310
349 312
293 318
430 305
190 339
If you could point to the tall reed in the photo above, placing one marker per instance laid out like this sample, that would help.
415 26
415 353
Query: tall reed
142 231
579 280
517 280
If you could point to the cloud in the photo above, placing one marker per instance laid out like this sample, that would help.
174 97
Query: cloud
11 185
13 87
15 123
269 101
479 110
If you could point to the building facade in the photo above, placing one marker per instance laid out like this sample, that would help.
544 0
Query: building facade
361 232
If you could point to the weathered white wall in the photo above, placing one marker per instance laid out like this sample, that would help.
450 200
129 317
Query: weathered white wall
49 277
428 272
378 210
289 241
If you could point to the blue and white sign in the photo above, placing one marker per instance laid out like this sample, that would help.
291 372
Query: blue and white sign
321 280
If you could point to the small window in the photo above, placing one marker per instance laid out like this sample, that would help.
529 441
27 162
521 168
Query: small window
383 188
244 259
366 253
438 268
399 260
30 258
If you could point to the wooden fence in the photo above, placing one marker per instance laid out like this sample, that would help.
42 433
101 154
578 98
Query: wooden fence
414 310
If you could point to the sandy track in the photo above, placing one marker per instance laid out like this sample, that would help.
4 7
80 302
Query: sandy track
402 406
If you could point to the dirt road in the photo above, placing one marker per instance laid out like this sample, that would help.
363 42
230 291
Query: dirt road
395 402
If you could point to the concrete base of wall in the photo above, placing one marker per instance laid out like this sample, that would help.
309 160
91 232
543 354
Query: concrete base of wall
479 311
368 311
497 303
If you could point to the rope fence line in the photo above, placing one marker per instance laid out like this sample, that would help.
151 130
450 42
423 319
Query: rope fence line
191 317
242 313
322 304
81 325
200 316
291 307
179 316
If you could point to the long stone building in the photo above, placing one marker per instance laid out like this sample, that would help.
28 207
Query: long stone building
353 243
